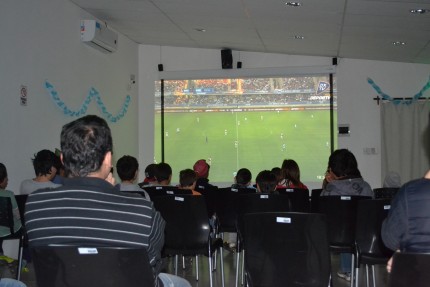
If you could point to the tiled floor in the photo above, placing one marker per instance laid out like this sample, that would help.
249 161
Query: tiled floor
229 267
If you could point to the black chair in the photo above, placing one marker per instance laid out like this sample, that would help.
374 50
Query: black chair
285 249
385 192
257 203
315 195
370 250
210 195
187 229
154 191
21 199
410 270
73 266
299 198
341 212
7 220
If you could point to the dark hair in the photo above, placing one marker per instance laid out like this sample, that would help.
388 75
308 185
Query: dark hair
163 171
126 167
266 181
84 145
291 171
343 164
150 170
243 176
277 172
43 161
187 177
3 172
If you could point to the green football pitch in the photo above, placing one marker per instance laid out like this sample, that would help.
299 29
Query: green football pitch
255 140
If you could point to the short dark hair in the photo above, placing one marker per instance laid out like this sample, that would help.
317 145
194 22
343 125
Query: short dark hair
266 181
343 164
187 177
43 161
150 170
163 171
3 172
243 176
126 167
84 145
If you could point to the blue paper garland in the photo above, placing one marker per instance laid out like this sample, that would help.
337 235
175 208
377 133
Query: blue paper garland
93 93
386 97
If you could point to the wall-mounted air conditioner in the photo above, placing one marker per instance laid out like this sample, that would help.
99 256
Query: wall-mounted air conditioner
99 36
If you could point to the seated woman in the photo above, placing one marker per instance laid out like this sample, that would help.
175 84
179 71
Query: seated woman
291 174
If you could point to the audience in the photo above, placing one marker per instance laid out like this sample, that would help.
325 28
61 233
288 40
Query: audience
291 173
44 164
201 167
163 174
4 231
149 175
266 181
407 226
127 168
344 178
86 145
187 180
242 179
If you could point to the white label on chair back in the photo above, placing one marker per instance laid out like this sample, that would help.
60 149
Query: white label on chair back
158 187
83 250
169 192
264 196
179 198
345 198
283 219
387 207
289 190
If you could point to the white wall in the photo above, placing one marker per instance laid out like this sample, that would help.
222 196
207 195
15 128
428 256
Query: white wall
41 41
356 106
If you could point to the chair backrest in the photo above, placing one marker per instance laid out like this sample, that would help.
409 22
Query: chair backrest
385 192
21 199
226 209
410 269
154 191
261 202
370 215
6 215
299 198
341 212
72 266
315 196
241 190
187 223
210 195
285 249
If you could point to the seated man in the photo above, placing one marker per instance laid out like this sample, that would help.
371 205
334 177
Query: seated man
266 182
187 180
127 168
201 168
88 209
163 174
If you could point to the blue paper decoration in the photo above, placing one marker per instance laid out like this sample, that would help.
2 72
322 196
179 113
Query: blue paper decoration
386 97
93 93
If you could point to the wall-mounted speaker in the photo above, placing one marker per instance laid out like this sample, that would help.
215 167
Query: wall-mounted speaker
226 59
334 61
160 67
239 65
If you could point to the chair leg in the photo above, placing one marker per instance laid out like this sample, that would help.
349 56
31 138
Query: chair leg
373 275
367 275
183 262
222 268
357 274
20 251
237 268
210 270
243 267
197 268
176 265
352 270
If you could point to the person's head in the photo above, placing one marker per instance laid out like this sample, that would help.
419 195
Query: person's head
127 168
163 173
278 173
291 171
86 146
243 176
44 163
187 178
150 172
201 167
3 176
342 164
266 181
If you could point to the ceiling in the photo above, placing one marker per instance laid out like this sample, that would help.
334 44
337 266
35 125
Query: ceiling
334 28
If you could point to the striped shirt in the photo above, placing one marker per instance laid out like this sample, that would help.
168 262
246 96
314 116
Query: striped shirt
91 212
